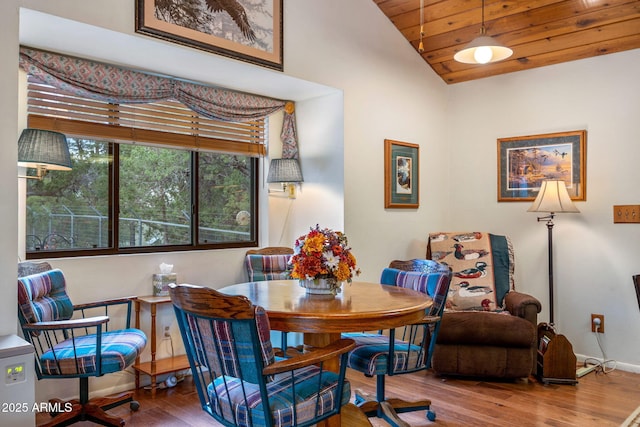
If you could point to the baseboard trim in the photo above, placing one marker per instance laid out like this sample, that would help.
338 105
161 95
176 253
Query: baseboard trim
627 367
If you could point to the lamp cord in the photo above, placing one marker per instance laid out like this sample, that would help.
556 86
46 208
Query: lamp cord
286 220
601 366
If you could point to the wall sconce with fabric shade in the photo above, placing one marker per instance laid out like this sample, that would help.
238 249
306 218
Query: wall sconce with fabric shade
43 150
552 198
286 171
483 49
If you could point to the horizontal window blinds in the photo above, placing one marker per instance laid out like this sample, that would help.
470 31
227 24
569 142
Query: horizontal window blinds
166 122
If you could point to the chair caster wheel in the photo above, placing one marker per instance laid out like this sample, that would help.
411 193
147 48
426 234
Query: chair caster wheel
431 416
134 405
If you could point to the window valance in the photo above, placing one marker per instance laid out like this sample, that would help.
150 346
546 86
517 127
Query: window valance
115 84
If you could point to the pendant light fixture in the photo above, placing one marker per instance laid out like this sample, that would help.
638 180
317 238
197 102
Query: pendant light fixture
483 49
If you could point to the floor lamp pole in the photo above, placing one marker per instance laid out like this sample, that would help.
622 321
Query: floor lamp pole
550 235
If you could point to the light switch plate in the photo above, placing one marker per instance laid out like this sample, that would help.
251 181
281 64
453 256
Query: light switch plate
626 214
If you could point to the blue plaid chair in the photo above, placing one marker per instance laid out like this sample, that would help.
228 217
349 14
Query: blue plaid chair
68 344
237 377
271 263
402 350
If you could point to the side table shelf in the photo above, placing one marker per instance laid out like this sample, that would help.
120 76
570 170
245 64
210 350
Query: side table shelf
155 367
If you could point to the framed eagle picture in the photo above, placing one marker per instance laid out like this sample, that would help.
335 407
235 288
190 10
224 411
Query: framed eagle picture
248 30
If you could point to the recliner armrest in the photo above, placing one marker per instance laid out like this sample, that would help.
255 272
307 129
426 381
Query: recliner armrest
523 305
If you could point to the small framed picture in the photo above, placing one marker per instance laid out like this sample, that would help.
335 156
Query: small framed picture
525 161
401 175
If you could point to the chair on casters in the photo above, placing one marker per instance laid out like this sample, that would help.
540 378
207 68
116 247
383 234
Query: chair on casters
69 346
402 350
238 380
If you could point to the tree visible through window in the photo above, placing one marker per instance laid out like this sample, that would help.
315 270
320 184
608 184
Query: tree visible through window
142 197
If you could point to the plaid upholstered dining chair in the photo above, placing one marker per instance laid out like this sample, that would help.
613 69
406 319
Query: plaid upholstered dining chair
401 350
69 344
270 263
238 379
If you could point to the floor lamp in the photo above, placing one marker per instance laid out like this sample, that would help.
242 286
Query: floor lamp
552 198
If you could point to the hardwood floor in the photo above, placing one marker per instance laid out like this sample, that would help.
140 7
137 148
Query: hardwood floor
598 400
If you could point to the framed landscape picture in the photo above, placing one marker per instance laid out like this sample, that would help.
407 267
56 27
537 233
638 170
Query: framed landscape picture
525 161
248 30
401 174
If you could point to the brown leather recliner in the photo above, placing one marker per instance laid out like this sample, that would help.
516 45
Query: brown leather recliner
489 329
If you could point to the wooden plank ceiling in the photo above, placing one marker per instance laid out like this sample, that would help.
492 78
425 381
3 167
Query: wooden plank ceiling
540 32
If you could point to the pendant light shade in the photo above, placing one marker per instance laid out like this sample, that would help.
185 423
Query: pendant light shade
483 49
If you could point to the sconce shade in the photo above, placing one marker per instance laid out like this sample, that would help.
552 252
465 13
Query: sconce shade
553 197
43 149
284 170
482 50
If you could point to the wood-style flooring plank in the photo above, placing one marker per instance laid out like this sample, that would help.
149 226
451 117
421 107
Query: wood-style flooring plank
597 400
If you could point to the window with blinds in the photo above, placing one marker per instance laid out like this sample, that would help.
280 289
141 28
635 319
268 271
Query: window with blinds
163 122
145 178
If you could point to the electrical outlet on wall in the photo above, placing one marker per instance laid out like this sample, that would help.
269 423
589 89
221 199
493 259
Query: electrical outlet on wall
597 323
167 332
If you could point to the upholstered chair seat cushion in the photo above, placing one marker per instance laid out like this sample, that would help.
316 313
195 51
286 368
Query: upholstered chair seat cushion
78 356
371 354
484 344
490 329
232 391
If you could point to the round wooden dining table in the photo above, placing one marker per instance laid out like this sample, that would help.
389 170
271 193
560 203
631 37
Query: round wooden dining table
359 306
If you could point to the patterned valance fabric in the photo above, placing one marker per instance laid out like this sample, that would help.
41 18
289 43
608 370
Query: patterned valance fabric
115 84
288 134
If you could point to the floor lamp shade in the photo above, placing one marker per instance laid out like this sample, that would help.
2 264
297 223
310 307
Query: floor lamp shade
43 149
553 197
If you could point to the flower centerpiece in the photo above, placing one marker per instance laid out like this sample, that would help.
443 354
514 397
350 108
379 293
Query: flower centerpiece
322 260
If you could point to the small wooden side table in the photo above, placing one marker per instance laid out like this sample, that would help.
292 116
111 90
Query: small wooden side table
155 367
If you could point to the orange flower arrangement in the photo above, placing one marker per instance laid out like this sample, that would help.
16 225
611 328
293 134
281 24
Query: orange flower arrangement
323 254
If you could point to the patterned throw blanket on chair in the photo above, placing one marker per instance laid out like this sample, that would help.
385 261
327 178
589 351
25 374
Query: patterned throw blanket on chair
482 265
